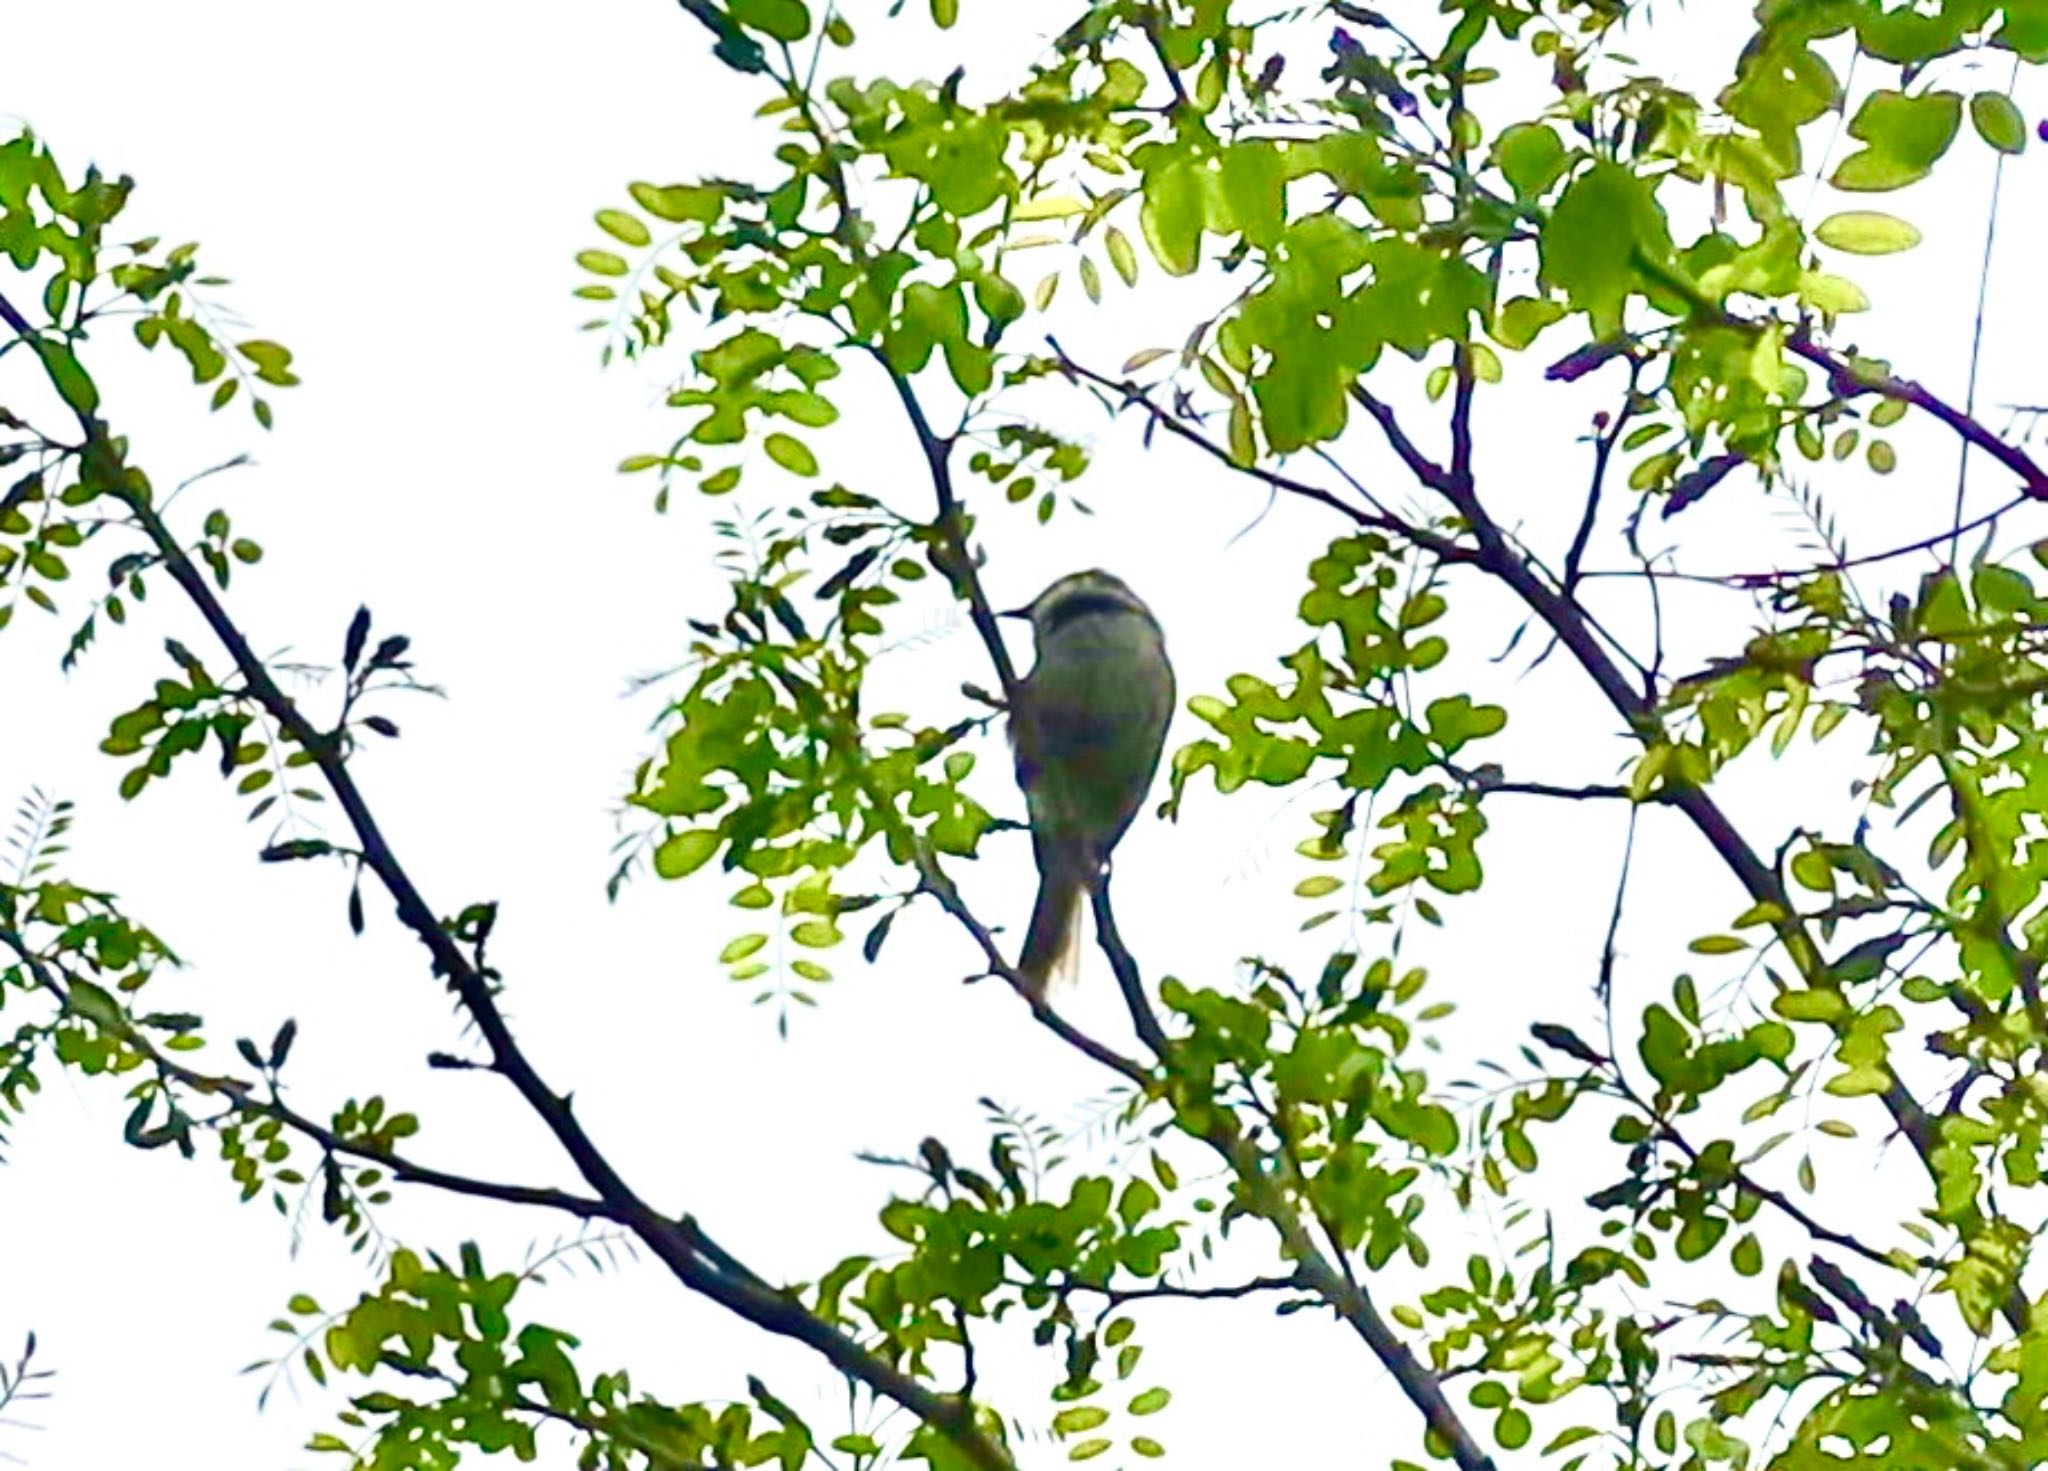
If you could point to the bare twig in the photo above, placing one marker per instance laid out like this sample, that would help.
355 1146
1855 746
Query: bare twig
1977 322
1125 968
1846 381
1603 455
1131 395
1116 1297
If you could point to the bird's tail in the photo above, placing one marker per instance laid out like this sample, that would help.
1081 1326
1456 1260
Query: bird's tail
1052 945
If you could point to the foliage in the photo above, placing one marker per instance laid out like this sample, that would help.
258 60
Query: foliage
1400 211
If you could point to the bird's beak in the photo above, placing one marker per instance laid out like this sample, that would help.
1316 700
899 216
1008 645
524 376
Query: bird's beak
1024 612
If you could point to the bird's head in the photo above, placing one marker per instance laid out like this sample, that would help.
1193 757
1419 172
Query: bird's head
1078 595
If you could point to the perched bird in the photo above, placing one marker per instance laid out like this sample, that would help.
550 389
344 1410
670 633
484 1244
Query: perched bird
1088 725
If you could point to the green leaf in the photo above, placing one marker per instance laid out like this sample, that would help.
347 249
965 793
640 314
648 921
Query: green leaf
1835 295
785 20
1998 122
1531 156
686 852
816 934
1606 219
602 262
1866 232
95 1003
1138 1200
623 227
679 203
2025 31
1521 319
791 453
1904 137
741 948
1121 254
80 394
1151 1402
272 361
1173 213
1718 945
1076 1418
1748 1256
1818 1004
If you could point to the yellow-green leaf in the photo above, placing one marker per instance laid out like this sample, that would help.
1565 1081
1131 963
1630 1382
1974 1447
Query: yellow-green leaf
791 453
1998 122
623 227
1866 232
1122 254
686 852
1717 945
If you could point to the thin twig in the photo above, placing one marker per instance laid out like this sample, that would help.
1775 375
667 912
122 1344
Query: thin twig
1603 455
242 1097
1751 581
1125 968
1130 394
1977 323
942 888
1116 1297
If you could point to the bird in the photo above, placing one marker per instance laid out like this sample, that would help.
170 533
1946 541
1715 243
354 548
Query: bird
1087 726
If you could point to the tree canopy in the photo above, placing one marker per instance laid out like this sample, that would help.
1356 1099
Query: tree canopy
1362 234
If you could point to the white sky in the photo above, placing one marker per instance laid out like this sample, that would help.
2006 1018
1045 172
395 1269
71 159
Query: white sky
397 192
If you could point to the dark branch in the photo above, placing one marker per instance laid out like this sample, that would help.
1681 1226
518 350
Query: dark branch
1424 469
1603 456
1845 381
1117 1296
1264 1195
1748 581
1130 394
242 1097
1125 968
681 1245
942 888
1568 622
958 565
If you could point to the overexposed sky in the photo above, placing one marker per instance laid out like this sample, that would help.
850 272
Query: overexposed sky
397 192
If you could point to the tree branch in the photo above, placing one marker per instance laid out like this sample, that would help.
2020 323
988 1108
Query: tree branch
1847 382
1569 624
1313 1270
1798 1213
1603 455
958 565
1420 465
1130 394
1750 581
242 1097
1125 968
680 1243
1116 1297
942 888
